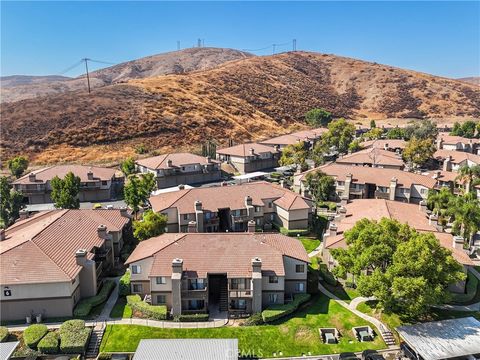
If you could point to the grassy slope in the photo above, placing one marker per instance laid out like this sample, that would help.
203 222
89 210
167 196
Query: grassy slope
293 337
121 309
309 243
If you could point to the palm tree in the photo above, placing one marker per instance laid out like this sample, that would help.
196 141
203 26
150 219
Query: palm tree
466 212
470 175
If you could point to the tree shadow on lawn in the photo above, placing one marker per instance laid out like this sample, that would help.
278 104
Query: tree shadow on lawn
338 290
318 304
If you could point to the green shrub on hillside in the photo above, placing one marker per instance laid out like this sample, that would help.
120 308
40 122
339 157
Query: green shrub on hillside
33 334
84 307
49 343
3 333
124 284
275 312
157 312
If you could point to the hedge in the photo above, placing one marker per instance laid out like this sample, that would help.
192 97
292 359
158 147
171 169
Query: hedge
74 337
3 333
157 312
49 343
294 232
276 312
104 356
124 284
191 317
33 334
84 307
253 320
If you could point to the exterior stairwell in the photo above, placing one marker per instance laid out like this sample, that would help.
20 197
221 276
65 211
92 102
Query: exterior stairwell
94 342
387 336
224 296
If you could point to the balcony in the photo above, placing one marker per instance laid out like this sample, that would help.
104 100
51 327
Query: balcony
240 218
102 254
31 190
382 195
212 221
240 293
99 269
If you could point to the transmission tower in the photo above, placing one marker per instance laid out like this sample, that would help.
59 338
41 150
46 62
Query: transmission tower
86 68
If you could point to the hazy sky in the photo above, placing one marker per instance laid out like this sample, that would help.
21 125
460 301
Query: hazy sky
441 38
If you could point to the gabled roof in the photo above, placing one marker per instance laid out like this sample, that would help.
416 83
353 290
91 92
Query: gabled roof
370 175
405 213
229 253
381 143
233 197
293 138
48 173
178 160
457 156
42 248
372 156
243 150
453 139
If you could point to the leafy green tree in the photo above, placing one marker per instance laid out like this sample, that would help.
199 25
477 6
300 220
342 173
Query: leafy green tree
457 129
373 124
466 213
138 189
478 129
320 185
355 146
18 165
467 129
65 191
374 134
470 175
423 129
128 166
10 203
338 137
409 271
439 201
396 133
318 117
295 154
152 224
417 151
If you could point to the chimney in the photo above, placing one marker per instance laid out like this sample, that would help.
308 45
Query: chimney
440 143
177 271
433 220
393 188
248 200
192 226
458 242
252 152
181 187
348 182
23 214
277 148
199 218
343 200
177 266
209 160
256 285
2 235
385 146
224 183
198 205
32 177
332 229
251 226
102 232
342 212
436 174
81 257
90 175
283 184
124 212
169 163
422 205
447 164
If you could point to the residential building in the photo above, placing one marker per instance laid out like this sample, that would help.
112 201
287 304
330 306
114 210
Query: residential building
375 209
231 208
445 141
53 259
246 158
96 183
451 160
180 168
309 137
395 145
235 272
373 157
358 182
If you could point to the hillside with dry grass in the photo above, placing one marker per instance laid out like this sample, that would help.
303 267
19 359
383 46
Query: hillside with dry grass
244 99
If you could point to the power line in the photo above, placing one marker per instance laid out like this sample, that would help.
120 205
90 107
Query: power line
71 67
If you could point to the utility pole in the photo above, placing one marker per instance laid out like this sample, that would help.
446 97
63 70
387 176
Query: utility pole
273 46
178 45
294 44
86 68
199 42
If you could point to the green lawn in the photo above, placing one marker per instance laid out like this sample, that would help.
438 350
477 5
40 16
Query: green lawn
296 335
121 309
309 243
344 293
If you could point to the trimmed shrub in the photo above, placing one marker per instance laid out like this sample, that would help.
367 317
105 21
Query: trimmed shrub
276 312
124 284
157 312
253 320
84 307
33 334
104 356
294 232
74 337
3 333
49 343
191 318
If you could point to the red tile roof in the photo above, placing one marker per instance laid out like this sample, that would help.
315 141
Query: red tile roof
372 156
452 139
457 156
293 138
178 160
381 143
48 173
243 150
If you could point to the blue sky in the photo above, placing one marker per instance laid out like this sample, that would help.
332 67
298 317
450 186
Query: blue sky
441 38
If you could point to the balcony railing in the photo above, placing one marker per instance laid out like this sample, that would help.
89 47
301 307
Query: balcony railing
240 293
99 269
240 218
102 254
382 195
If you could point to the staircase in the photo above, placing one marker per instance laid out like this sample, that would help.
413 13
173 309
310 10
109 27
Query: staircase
94 342
387 336
224 295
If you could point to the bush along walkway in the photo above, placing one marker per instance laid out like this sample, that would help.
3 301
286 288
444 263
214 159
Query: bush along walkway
384 330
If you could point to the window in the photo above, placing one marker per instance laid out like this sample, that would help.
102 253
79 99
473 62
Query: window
196 304
299 287
340 183
161 280
238 284
196 284
273 279
258 221
104 183
136 269
272 298
270 204
137 288
161 299
424 191
238 304
272 217
185 216
257 208
300 268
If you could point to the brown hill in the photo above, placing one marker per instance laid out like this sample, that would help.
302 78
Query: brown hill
20 87
475 80
246 99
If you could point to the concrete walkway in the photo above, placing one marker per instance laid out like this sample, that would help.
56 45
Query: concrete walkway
112 300
381 328
316 251
358 300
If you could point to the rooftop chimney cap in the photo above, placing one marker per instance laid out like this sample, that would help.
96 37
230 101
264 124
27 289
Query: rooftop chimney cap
333 226
256 259
458 239
2 234
81 253
177 261
102 227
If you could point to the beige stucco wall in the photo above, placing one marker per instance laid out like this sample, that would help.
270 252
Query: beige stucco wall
289 264
266 286
167 287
